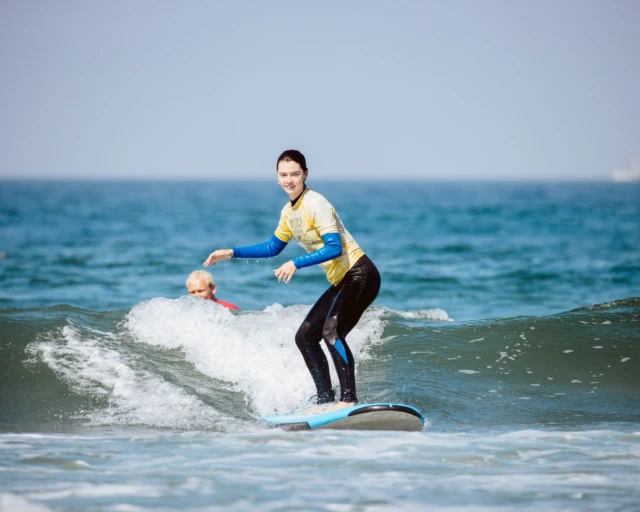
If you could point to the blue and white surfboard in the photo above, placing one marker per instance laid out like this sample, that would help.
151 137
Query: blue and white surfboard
357 417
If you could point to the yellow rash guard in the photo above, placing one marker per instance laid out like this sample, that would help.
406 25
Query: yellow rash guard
307 221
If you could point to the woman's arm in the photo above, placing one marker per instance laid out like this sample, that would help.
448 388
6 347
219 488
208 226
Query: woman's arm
332 249
267 249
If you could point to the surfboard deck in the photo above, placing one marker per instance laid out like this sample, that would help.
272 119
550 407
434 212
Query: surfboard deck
358 417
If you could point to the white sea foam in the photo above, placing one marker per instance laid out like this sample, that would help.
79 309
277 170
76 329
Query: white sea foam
91 490
254 352
13 503
94 366
518 470
436 314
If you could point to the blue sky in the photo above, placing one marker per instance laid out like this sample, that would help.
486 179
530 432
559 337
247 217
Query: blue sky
453 90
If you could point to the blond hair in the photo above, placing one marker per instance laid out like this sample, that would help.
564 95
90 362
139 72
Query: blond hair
196 275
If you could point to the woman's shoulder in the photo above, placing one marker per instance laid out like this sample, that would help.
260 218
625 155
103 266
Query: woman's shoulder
315 199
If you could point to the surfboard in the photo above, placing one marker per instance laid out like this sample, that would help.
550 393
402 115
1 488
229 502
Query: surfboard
357 417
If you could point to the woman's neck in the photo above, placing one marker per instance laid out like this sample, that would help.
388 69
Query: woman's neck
294 201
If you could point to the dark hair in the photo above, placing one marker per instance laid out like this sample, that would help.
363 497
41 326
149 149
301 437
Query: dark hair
293 155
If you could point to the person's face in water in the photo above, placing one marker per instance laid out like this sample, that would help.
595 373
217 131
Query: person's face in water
291 178
200 288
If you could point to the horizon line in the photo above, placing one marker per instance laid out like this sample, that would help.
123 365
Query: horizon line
347 179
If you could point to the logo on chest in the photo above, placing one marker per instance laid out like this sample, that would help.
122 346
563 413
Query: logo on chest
296 227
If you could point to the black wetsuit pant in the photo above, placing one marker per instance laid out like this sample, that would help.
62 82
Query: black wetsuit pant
332 317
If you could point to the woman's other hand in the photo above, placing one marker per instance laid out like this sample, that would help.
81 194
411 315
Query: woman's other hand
219 255
285 272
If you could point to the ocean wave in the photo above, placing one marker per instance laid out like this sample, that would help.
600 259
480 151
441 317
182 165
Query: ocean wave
190 364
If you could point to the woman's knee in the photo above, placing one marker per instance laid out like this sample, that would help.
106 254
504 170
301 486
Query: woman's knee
330 330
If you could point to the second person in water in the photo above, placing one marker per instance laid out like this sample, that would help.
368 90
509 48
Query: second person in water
314 224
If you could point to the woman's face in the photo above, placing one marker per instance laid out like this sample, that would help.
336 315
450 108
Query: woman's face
291 178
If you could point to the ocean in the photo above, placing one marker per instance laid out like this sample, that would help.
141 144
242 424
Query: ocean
509 314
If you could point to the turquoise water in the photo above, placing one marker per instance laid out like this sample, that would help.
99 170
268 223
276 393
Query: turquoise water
508 314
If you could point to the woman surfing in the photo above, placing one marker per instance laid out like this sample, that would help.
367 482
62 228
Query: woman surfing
314 224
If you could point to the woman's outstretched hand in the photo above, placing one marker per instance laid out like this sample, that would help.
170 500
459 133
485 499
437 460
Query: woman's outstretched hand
219 255
285 272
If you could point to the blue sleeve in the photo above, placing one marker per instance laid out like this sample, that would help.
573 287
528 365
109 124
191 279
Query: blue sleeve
264 250
332 249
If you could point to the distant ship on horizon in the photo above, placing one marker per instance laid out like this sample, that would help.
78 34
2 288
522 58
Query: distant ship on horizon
626 175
